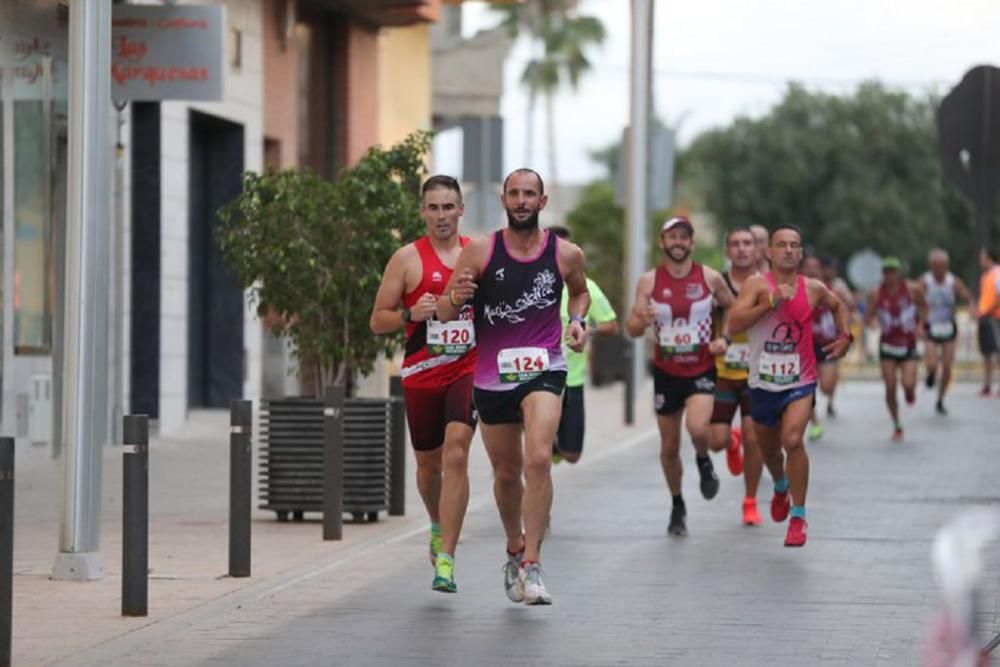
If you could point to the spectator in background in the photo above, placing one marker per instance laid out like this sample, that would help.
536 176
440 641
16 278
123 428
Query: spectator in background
988 313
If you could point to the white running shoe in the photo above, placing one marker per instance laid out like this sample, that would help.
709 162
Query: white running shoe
511 579
533 588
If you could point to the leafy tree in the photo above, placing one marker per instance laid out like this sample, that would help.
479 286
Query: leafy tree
853 171
311 251
562 39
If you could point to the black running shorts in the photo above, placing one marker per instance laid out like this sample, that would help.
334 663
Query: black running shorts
671 392
504 407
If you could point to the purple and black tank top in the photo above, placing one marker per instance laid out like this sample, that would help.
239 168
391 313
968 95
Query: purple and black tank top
518 328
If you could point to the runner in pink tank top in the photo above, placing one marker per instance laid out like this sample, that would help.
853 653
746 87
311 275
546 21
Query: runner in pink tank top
777 310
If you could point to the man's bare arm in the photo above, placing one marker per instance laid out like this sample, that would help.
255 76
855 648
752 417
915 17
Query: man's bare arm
386 318
462 286
751 305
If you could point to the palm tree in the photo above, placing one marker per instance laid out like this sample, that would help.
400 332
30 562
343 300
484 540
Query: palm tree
562 39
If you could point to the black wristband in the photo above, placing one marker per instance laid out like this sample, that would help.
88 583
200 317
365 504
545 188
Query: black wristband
407 315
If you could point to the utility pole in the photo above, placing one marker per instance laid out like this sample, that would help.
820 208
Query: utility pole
637 217
88 225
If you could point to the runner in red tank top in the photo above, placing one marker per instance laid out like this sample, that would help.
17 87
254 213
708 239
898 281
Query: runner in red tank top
437 369
777 309
901 310
676 299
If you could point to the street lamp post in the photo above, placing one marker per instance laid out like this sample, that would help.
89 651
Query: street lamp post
85 341
637 219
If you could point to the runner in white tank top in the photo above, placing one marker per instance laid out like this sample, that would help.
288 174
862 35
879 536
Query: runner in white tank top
943 291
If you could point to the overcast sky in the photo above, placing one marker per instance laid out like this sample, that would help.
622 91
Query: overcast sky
715 60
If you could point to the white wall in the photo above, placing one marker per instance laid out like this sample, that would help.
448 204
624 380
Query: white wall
242 103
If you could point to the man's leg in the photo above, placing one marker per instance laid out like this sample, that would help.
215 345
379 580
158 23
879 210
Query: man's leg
670 450
828 376
947 363
793 427
753 461
930 362
429 481
888 367
769 442
909 380
541 410
503 446
455 486
698 409
572 425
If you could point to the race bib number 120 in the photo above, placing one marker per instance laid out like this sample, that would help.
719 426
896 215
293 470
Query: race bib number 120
456 337
520 364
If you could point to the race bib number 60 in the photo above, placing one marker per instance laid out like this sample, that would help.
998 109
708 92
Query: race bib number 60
520 364
679 339
456 337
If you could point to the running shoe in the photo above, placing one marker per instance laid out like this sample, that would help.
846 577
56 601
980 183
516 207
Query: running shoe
897 434
709 480
815 431
751 517
734 453
986 392
677 526
830 412
511 577
781 505
796 535
931 379
910 396
435 547
534 592
941 410
444 575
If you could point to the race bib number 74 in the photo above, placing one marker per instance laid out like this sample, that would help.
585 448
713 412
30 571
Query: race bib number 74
520 364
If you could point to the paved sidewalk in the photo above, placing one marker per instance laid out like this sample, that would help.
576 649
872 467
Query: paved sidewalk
860 593
55 620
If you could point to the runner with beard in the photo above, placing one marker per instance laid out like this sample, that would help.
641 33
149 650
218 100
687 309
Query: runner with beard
514 279
731 388
437 369
677 299
777 310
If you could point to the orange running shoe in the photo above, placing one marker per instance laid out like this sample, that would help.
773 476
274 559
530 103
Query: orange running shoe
734 453
796 536
751 517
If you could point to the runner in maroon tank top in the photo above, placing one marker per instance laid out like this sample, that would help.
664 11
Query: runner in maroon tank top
900 310
777 309
437 368
677 300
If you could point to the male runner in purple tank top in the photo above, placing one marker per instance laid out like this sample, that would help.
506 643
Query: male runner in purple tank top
514 278
777 309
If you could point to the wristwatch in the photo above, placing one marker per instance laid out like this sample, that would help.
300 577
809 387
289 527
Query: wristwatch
848 336
579 318
407 315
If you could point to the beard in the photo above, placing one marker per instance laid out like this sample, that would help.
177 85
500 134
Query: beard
677 253
529 223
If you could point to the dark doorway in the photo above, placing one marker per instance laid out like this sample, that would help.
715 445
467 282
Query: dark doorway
144 365
215 300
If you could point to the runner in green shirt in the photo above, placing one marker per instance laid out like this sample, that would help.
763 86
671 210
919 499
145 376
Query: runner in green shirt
601 317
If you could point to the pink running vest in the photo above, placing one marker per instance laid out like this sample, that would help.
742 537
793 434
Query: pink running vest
781 343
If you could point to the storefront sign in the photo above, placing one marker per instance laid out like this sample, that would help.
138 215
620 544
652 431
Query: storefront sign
167 52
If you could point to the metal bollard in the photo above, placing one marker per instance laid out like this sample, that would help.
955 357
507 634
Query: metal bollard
6 547
630 384
397 449
135 516
333 464
240 487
